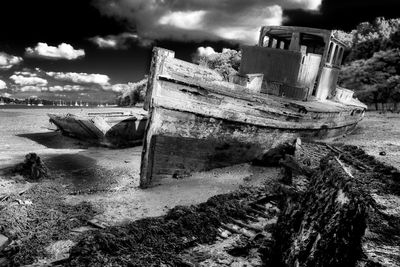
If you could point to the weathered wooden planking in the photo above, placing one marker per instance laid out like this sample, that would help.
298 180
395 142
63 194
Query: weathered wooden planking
213 84
116 131
164 63
127 132
156 66
73 126
203 102
179 143
198 123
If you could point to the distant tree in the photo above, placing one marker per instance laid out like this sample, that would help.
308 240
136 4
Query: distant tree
134 94
369 38
226 63
376 80
345 37
394 40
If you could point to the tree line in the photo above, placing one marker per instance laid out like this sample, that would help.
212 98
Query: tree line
133 94
372 65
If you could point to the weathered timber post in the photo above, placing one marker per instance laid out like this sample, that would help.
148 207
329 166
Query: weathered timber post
157 63
159 55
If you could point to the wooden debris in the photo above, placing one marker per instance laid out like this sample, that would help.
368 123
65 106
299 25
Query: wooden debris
325 225
260 207
98 224
236 231
245 225
275 155
259 213
4 198
4 241
347 157
290 163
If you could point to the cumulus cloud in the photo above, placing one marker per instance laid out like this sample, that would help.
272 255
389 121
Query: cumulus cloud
31 88
81 78
3 85
62 51
308 4
118 88
235 20
120 41
6 95
204 51
28 80
8 61
189 20
25 73
66 88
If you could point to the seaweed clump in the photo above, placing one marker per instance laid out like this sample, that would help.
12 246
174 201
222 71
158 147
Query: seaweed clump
158 241
37 218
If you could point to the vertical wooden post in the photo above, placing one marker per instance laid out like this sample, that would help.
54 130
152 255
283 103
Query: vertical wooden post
159 54
295 42
156 68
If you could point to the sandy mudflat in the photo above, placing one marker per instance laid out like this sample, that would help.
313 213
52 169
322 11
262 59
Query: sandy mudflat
378 133
102 181
109 178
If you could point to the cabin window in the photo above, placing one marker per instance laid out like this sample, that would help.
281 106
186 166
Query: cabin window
270 40
274 43
340 56
310 43
265 41
328 58
278 44
282 45
334 58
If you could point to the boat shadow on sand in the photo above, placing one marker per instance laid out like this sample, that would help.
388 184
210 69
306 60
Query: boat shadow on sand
55 140
77 168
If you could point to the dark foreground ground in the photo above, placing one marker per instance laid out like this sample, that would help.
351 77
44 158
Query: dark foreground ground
47 222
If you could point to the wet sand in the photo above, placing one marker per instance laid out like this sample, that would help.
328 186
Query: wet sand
109 178
378 133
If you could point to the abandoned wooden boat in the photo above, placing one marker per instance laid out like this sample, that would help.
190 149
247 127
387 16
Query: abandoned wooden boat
286 88
113 129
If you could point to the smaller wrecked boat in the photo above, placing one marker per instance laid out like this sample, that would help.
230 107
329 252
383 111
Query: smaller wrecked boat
112 129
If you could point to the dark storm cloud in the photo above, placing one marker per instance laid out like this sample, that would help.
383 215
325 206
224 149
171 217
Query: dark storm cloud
343 14
200 19
45 20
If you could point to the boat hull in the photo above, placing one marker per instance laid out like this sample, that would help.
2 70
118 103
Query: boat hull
182 143
118 131
198 122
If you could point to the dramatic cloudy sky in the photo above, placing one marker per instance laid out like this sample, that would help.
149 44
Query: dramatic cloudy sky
77 49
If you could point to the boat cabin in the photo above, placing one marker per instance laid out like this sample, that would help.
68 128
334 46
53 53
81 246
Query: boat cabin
295 62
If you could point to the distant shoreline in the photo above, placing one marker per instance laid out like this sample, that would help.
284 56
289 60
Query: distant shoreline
16 106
